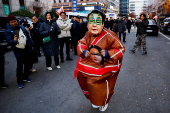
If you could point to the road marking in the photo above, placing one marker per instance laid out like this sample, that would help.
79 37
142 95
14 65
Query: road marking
165 36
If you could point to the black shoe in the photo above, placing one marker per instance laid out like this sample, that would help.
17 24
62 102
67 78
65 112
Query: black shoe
62 61
4 86
69 58
124 41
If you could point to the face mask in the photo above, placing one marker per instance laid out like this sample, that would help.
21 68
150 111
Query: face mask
93 21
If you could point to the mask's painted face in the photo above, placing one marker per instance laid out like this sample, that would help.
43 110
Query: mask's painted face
95 24
95 55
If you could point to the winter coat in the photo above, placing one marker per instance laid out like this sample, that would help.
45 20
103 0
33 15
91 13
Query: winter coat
76 30
84 29
121 26
111 22
106 24
142 26
9 34
115 28
35 31
50 48
129 23
65 26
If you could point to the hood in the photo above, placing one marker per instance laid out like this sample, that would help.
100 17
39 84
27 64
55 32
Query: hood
45 19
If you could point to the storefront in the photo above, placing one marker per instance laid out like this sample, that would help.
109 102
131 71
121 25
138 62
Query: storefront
85 8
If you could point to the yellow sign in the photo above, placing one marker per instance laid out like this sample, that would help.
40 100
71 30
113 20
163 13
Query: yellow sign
167 7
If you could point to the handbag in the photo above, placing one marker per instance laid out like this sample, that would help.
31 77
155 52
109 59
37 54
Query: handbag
47 39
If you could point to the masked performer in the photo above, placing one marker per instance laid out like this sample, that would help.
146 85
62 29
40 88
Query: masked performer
100 52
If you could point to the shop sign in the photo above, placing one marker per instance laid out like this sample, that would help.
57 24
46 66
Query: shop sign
6 10
74 4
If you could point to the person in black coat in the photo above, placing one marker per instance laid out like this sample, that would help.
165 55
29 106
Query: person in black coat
111 22
51 48
21 51
129 24
115 27
106 23
2 63
121 29
35 35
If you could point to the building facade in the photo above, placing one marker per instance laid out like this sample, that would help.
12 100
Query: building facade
85 6
137 6
123 7
35 6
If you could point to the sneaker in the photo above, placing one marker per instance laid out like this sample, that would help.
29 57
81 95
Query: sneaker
49 68
58 67
71 50
94 106
144 53
69 58
4 86
33 70
20 85
103 108
27 80
132 51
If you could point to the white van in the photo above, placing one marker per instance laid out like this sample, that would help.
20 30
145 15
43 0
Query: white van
71 14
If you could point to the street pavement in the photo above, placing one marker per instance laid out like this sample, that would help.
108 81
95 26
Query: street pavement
142 85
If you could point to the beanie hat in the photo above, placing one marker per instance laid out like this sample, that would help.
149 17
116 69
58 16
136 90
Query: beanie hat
11 17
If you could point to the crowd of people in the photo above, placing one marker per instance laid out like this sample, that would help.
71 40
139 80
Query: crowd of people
26 41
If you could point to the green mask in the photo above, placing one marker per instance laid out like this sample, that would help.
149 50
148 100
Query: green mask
98 20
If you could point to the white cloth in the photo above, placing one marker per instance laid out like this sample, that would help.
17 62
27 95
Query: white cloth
21 40
65 26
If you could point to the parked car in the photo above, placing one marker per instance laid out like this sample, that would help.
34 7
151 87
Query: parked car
3 27
152 28
165 25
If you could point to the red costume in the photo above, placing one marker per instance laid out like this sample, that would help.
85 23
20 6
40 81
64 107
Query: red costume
97 81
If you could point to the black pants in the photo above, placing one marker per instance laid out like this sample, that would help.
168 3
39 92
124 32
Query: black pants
37 44
120 36
129 30
23 61
2 69
49 60
75 42
62 41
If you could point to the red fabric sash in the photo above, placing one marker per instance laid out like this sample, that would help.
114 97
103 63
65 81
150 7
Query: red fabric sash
99 37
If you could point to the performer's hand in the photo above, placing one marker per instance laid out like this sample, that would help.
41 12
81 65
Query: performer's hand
103 52
87 54
15 38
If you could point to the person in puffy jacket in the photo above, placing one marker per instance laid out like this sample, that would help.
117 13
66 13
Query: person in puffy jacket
65 26
51 48
22 54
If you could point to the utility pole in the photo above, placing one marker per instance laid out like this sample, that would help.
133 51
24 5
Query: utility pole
47 7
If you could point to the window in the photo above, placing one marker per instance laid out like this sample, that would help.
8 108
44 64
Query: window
21 2
70 0
36 0
65 0
59 1
5 2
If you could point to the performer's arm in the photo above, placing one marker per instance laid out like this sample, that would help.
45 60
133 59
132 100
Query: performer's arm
82 48
116 50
